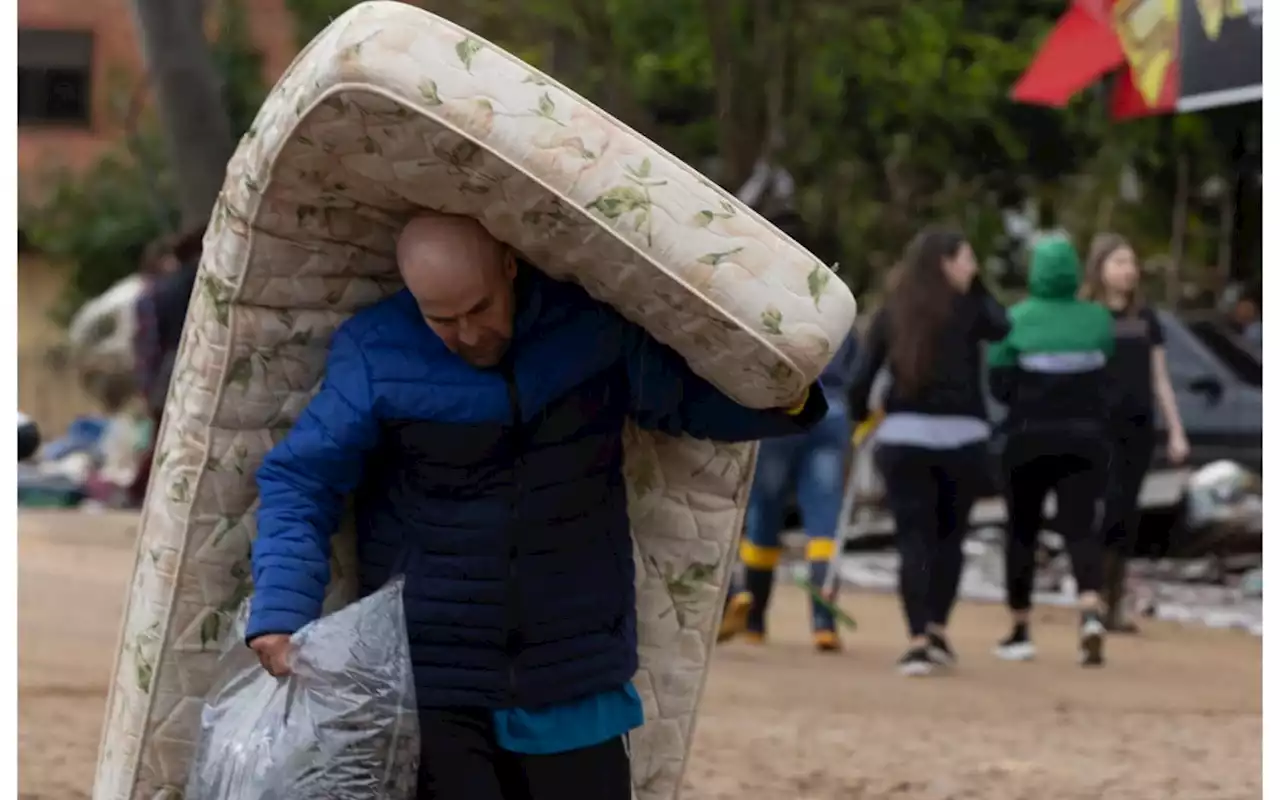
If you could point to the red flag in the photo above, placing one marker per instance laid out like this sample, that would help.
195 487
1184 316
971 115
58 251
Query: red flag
1079 50
1128 103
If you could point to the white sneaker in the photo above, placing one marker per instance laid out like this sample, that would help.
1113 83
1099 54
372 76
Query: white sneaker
916 663
1017 646
1092 634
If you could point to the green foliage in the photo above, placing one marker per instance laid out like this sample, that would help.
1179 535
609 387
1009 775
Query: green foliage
312 16
239 64
890 115
99 221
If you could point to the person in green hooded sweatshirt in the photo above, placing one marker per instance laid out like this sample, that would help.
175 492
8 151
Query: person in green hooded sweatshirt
1050 371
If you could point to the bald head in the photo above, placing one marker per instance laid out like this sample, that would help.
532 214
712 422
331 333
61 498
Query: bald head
462 279
447 248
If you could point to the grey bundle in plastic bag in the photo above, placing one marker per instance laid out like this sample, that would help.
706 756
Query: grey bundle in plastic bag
344 725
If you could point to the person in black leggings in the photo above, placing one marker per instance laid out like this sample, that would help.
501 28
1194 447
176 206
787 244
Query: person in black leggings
1137 376
932 443
1051 373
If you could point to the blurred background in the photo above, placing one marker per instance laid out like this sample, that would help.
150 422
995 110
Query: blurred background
883 116
857 122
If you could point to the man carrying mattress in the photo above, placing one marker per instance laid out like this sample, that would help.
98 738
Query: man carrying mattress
477 417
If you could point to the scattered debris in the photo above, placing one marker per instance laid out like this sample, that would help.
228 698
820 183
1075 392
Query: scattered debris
95 461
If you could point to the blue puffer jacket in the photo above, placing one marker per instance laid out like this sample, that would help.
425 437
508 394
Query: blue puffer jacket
498 493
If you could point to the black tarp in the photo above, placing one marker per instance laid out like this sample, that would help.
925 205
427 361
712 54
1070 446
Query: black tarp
1221 53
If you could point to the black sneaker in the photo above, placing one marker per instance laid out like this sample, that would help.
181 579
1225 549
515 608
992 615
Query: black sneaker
940 650
916 663
1092 634
1017 646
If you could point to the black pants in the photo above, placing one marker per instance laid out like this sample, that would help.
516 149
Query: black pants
1132 447
930 493
1073 467
462 761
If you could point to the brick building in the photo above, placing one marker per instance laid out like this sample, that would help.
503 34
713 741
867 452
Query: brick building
75 57
74 54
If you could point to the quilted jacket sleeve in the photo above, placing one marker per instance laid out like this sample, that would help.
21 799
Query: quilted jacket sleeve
302 484
668 396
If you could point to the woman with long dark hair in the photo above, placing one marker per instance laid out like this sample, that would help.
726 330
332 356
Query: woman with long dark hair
932 443
1051 373
1138 375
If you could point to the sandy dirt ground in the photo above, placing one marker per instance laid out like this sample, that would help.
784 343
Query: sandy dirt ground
1176 715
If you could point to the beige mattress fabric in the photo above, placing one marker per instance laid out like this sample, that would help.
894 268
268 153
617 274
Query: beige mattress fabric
390 110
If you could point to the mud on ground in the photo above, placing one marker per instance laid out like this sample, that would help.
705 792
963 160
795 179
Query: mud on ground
1176 715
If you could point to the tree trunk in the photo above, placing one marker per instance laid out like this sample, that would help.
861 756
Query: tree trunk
1181 199
1226 232
735 166
188 93
617 96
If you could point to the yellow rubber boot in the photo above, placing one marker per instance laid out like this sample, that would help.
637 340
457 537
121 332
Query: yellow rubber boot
734 621
827 642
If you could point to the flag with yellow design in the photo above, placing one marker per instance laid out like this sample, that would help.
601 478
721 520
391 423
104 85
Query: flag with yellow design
1148 31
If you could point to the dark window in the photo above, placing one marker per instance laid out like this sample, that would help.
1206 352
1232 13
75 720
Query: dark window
1234 354
54 71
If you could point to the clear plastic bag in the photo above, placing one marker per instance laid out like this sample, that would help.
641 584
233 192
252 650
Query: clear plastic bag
343 726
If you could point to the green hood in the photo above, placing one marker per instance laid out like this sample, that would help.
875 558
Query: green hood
1055 270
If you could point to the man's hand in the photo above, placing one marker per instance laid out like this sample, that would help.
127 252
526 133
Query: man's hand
798 408
274 651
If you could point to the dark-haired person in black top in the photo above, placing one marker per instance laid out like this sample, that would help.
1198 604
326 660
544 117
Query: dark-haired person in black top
932 443
1137 375
173 264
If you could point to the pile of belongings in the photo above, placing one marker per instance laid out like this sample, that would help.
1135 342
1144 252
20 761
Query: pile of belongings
96 460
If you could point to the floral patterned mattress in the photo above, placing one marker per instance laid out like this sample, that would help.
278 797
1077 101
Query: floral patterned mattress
389 110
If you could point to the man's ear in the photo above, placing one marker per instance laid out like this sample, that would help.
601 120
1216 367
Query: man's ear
509 264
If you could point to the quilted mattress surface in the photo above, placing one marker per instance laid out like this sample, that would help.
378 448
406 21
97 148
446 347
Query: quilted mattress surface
390 110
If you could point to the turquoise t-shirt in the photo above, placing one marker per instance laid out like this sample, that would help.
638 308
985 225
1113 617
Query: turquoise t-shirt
569 726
